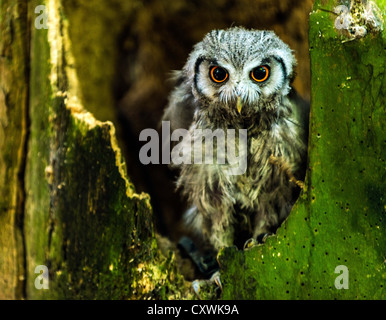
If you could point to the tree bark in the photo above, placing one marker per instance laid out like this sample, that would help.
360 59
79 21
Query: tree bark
82 219
14 33
339 218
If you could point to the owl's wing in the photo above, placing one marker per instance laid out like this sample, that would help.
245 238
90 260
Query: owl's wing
300 116
301 109
181 107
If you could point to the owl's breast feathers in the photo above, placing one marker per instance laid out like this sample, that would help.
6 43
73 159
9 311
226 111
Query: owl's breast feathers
273 136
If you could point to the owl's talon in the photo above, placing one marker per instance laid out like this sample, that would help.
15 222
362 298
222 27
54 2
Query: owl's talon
263 237
250 243
196 286
208 289
216 278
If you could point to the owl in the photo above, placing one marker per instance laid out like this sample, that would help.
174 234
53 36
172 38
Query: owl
240 79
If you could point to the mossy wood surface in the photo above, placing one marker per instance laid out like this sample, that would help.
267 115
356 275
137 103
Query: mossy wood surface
82 217
13 108
340 217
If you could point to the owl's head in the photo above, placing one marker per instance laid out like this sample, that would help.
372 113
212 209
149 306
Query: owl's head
240 70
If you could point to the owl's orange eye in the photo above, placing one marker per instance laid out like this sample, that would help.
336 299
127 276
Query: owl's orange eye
260 74
218 74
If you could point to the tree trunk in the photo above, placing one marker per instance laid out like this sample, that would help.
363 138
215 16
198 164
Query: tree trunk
13 134
339 219
82 219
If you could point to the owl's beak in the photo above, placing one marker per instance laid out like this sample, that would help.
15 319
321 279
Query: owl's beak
239 104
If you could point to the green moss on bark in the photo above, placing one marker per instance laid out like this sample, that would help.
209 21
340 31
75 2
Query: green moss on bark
13 133
339 218
84 220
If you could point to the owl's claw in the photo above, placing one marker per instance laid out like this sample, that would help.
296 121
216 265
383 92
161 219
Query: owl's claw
208 289
216 278
197 284
252 242
263 237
